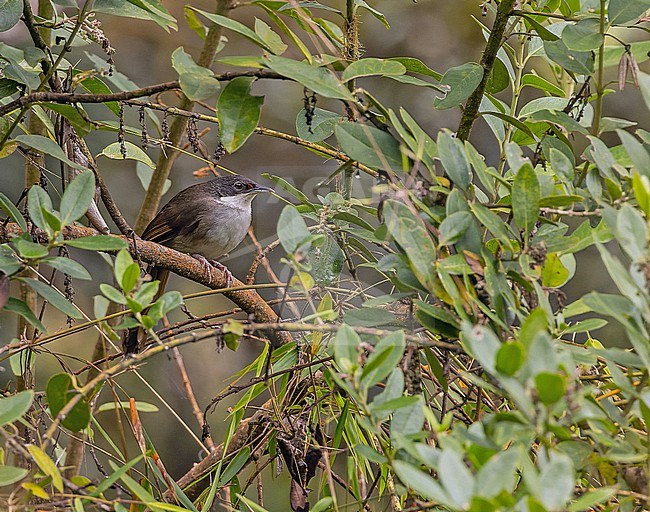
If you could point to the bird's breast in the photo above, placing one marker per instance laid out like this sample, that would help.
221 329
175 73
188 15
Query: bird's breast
221 228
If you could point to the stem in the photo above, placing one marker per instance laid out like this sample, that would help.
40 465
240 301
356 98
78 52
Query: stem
598 109
492 46
516 93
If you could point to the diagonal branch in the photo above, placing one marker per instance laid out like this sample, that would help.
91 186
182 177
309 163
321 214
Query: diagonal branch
185 266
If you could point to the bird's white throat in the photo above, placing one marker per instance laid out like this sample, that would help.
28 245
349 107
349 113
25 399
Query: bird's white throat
240 201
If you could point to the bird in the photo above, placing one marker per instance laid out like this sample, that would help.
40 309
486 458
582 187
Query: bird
207 220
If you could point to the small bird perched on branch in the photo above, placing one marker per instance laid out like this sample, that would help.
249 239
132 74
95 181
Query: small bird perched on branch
206 220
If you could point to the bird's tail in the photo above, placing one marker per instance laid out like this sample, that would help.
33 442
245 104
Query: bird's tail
135 338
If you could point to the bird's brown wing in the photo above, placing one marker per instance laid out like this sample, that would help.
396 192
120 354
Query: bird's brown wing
160 231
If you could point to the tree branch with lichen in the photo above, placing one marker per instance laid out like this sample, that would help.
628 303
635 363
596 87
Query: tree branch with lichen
470 112
185 266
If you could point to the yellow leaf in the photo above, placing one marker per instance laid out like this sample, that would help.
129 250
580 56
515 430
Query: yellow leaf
47 466
36 490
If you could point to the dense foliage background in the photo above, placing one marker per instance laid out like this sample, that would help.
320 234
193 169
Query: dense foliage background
423 320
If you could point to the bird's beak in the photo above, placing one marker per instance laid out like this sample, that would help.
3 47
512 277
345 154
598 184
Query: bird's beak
259 189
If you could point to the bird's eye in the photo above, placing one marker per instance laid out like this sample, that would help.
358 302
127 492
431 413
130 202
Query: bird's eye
239 185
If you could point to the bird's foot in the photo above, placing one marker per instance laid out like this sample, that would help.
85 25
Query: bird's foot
208 265
225 270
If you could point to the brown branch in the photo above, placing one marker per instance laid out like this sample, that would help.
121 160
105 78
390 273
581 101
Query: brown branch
251 430
504 11
185 266
73 97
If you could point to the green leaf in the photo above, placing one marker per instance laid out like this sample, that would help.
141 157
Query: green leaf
74 115
94 85
374 12
639 50
421 482
10 209
462 80
11 474
554 273
637 152
499 78
407 419
292 229
624 11
142 9
133 152
235 26
482 344
197 86
288 187
557 481
372 66
145 174
583 36
581 63
510 358
454 159
456 478
270 38
370 146
17 306
53 297
346 353
453 227
10 12
436 319
123 261
494 224
52 219
112 293
526 195
544 33
98 243
326 261
322 124
252 505
498 474
46 465
68 266
59 391
414 65
30 250
238 112
591 498
48 147
320 80
550 387
77 197
197 82
411 234
163 305
14 406
542 84
243 457
37 201
368 317
183 62
115 476
387 355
